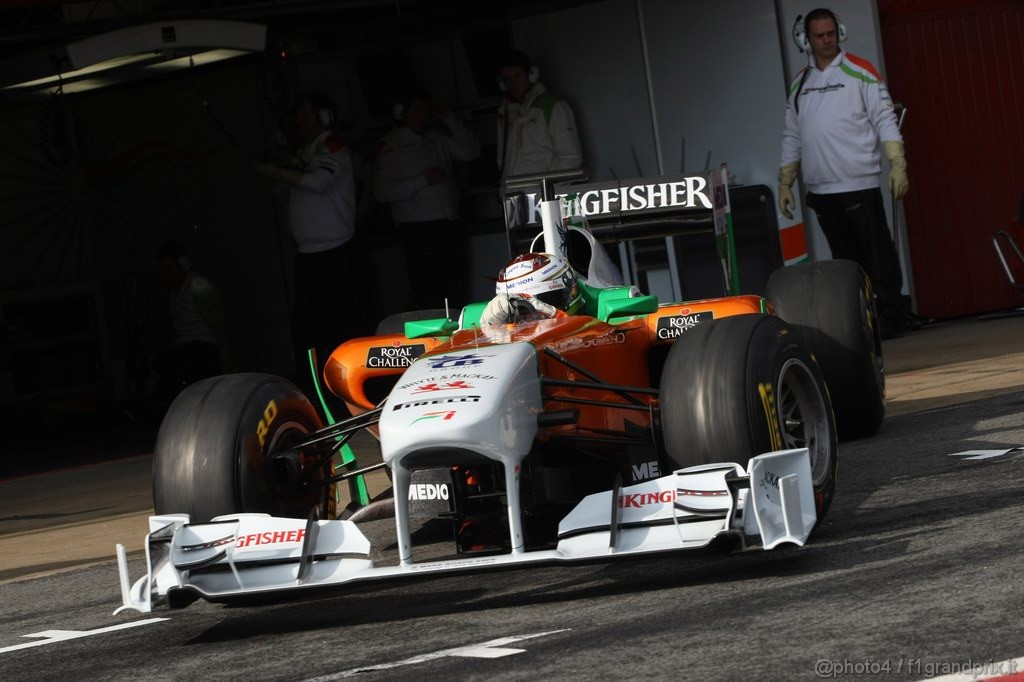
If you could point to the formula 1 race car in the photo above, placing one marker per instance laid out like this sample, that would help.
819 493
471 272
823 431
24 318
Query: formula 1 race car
630 427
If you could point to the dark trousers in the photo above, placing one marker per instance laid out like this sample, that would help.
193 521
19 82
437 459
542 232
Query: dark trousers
854 224
330 304
182 364
435 261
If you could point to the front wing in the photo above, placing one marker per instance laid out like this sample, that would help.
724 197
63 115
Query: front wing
244 555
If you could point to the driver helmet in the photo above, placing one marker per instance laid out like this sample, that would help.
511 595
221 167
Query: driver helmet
544 277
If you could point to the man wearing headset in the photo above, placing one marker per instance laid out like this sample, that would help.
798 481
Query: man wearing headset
536 129
413 172
321 217
838 110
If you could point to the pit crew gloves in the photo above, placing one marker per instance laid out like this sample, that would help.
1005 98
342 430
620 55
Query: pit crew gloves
275 172
898 182
787 176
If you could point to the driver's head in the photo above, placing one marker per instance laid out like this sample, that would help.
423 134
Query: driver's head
543 276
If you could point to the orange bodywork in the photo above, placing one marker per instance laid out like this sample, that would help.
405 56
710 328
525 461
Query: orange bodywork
362 371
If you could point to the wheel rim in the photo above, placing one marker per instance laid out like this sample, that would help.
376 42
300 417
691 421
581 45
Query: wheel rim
286 436
804 417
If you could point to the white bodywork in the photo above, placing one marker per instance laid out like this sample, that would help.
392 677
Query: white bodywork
492 413
241 555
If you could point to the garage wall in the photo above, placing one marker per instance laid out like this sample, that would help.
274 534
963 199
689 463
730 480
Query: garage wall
719 98
148 163
94 182
592 57
712 72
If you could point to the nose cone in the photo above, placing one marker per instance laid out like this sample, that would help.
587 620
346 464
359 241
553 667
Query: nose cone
485 400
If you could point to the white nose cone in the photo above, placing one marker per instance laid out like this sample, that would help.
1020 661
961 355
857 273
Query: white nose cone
485 400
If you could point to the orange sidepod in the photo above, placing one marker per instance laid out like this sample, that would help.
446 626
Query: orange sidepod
665 325
615 355
362 371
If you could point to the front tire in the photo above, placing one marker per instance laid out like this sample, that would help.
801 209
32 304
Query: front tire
742 386
214 452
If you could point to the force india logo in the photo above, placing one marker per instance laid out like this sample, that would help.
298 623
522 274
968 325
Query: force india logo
397 355
575 343
672 327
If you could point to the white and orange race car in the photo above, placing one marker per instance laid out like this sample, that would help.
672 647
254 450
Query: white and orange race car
629 428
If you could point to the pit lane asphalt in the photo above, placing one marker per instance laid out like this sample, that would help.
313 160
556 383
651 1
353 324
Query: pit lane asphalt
916 566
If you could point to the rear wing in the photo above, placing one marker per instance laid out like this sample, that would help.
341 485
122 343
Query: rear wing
735 225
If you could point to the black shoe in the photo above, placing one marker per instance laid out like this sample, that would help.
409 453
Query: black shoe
919 321
887 332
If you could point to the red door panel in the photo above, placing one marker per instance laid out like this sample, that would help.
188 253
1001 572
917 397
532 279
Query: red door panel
958 66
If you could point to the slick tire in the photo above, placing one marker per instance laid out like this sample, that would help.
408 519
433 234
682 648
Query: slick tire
830 306
214 451
742 386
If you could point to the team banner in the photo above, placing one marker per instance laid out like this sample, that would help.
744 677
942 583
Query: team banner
617 198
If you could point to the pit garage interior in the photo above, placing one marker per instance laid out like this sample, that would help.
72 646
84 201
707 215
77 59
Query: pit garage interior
99 170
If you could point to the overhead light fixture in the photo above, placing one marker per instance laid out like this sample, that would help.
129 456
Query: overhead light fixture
131 53
79 73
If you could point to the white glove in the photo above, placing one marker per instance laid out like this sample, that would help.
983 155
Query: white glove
503 309
498 311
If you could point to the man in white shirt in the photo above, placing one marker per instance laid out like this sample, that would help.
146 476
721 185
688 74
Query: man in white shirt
322 217
413 172
536 128
838 110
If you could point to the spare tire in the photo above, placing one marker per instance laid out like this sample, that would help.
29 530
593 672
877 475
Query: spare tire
831 308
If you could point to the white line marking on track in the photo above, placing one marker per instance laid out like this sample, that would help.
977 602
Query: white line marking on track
983 454
494 648
54 636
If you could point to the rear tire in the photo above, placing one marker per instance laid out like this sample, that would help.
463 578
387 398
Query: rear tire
741 386
830 306
213 451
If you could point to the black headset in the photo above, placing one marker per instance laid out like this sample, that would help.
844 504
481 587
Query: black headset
521 60
175 252
402 105
802 26
323 106
800 29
